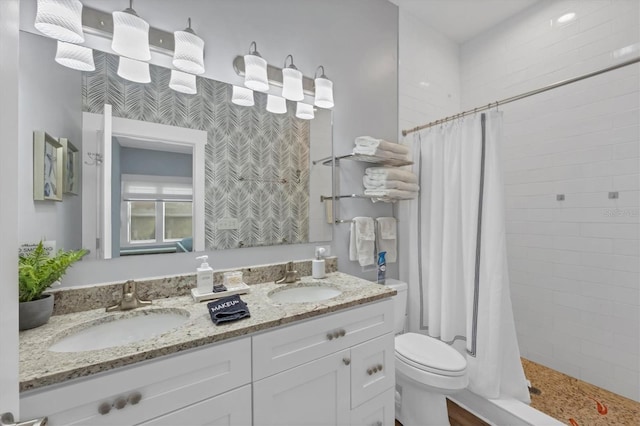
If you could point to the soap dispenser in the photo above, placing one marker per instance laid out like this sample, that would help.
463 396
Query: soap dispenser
204 276
317 264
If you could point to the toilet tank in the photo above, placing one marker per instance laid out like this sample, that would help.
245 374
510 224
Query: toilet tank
399 303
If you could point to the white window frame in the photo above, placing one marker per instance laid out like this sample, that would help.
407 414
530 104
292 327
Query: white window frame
125 209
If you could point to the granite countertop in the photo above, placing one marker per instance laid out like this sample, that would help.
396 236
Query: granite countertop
40 367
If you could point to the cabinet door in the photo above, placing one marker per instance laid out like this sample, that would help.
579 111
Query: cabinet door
229 409
316 393
379 411
372 369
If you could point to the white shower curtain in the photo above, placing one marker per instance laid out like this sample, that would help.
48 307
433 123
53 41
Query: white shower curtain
459 283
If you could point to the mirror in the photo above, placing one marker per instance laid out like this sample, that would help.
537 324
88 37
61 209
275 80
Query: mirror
258 185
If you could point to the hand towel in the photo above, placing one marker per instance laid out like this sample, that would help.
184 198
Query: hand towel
391 193
387 237
227 309
362 241
373 182
379 152
392 173
368 141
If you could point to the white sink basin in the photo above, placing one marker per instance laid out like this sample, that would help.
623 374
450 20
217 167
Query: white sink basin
119 330
302 293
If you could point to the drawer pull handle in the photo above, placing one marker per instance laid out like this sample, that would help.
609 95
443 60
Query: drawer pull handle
134 398
120 402
346 361
329 336
342 333
379 367
336 334
370 371
104 408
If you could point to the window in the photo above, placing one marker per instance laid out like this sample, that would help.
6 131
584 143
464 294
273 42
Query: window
155 210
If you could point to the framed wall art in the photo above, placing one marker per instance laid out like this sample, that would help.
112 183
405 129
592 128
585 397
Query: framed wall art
71 172
48 168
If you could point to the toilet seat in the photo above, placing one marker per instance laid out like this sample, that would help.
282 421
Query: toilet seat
430 355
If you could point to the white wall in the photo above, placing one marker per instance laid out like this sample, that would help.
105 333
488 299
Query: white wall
574 264
51 101
429 89
356 41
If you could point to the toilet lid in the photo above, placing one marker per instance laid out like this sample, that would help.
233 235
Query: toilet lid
429 354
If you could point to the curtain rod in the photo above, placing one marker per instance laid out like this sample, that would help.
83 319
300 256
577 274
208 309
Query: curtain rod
522 96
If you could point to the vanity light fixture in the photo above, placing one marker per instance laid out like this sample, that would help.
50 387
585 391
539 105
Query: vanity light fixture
255 74
60 19
291 81
189 51
304 111
183 82
132 70
242 96
276 104
130 35
75 57
324 90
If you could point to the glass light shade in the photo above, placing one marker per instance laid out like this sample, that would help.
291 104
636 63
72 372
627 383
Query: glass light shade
60 19
133 70
183 82
292 84
188 55
304 111
324 93
75 57
255 73
130 36
242 96
276 104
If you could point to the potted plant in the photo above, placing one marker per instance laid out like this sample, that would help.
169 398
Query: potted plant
36 273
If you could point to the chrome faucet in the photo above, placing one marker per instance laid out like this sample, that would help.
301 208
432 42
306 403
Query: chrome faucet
130 298
290 275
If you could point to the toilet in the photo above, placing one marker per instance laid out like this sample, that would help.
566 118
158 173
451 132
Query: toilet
426 370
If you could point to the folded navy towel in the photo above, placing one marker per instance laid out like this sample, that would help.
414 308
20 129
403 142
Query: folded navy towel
227 309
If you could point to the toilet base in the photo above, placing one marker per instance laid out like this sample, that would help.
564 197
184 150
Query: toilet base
420 407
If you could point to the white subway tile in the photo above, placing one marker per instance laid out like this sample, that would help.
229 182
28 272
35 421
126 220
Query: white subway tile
612 230
627 247
597 245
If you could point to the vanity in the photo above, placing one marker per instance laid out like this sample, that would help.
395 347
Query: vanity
317 362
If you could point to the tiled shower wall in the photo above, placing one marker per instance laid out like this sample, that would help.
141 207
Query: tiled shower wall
574 264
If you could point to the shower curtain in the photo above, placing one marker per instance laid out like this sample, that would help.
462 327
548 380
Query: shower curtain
459 283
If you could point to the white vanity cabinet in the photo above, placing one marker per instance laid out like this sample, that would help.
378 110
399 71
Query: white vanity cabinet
192 386
334 370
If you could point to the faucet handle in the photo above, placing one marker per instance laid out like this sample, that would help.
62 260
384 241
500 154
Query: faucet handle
290 267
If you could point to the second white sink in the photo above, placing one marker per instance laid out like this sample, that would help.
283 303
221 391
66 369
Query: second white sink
120 330
302 293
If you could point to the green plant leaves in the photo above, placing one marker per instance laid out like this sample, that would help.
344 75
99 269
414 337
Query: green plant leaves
37 271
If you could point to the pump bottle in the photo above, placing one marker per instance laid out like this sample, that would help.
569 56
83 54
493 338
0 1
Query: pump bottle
204 276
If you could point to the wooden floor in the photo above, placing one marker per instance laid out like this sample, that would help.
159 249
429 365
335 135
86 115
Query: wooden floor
458 416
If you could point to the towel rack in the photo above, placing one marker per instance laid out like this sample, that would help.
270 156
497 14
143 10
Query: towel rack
324 198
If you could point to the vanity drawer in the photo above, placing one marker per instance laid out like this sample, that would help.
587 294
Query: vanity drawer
372 368
163 385
290 346
379 411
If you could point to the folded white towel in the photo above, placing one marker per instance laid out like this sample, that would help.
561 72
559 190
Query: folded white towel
375 182
362 241
379 152
391 194
387 237
380 143
392 173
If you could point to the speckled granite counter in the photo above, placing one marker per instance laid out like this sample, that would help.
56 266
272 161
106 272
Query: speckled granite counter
40 367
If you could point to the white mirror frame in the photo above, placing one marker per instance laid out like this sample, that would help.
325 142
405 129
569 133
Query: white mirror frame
98 128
